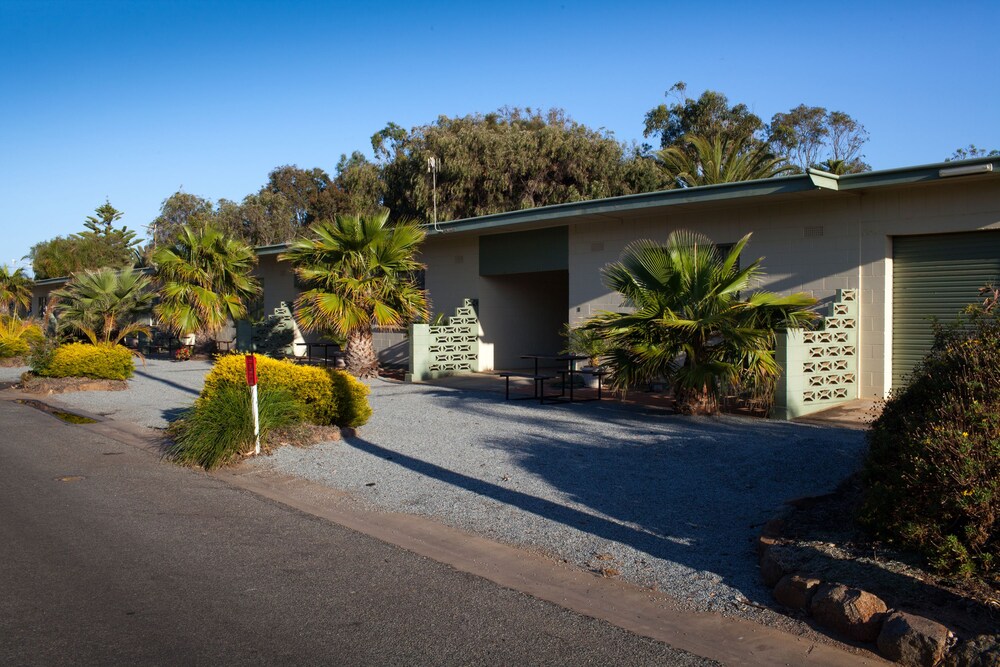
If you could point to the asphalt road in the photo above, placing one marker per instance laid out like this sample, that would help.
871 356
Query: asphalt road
110 556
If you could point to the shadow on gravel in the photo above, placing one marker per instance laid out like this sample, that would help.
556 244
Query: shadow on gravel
172 414
693 491
547 509
169 383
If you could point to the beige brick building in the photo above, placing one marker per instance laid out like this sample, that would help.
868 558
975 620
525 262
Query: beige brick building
533 270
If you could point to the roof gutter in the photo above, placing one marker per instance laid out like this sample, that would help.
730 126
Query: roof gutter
823 179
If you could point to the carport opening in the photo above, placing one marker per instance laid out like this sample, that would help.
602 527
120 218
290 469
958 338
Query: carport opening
523 313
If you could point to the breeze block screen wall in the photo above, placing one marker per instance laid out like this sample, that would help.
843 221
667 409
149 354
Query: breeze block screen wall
819 369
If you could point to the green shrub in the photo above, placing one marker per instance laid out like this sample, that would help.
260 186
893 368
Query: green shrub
352 399
104 360
218 429
932 476
42 354
18 337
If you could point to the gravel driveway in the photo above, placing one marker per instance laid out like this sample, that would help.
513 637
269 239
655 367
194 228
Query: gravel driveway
666 501
157 392
11 373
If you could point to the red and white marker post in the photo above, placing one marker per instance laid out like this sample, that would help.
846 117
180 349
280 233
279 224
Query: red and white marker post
251 362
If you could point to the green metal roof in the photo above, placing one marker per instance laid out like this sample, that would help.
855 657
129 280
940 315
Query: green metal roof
812 181
271 249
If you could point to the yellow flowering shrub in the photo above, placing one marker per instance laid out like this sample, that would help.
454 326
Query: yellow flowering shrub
352 399
311 386
107 361
328 397
17 336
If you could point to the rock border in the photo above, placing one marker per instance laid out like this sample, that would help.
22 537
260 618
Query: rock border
860 616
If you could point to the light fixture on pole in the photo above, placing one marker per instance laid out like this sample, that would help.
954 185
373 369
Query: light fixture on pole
432 169
967 170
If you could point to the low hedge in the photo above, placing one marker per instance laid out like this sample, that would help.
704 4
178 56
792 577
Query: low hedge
106 361
328 397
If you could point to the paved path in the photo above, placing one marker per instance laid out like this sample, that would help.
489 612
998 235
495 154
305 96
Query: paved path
113 557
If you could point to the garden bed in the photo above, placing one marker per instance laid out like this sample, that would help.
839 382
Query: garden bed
33 384
816 539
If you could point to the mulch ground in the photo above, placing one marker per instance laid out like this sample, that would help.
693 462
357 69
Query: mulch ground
33 384
832 547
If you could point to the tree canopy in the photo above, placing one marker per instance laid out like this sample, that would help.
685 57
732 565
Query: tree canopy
311 192
177 211
709 116
971 151
507 160
101 244
821 139
805 136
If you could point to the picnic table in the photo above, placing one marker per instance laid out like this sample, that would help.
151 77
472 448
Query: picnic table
568 375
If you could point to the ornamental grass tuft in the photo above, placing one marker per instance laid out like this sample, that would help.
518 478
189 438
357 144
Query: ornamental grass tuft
219 429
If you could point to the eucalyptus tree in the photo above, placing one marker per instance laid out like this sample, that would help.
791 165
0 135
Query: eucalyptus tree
710 116
507 160
179 210
311 193
814 137
358 273
971 151
694 318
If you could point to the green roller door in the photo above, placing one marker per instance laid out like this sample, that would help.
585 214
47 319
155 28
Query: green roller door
935 276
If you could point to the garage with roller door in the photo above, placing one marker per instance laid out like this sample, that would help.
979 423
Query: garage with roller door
935 276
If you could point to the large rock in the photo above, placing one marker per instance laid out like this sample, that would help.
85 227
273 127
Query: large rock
775 563
912 640
983 651
851 611
795 591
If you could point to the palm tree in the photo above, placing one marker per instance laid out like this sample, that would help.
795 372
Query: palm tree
204 280
358 273
690 322
720 159
15 290
103 304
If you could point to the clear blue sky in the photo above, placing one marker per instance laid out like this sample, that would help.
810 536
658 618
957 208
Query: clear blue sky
133 99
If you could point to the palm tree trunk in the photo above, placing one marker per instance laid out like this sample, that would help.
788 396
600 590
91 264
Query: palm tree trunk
360 356
692 401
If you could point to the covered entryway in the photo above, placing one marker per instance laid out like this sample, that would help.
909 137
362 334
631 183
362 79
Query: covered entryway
523 293
935 276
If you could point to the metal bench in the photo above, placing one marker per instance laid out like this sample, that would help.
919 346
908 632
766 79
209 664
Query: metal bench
539 383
